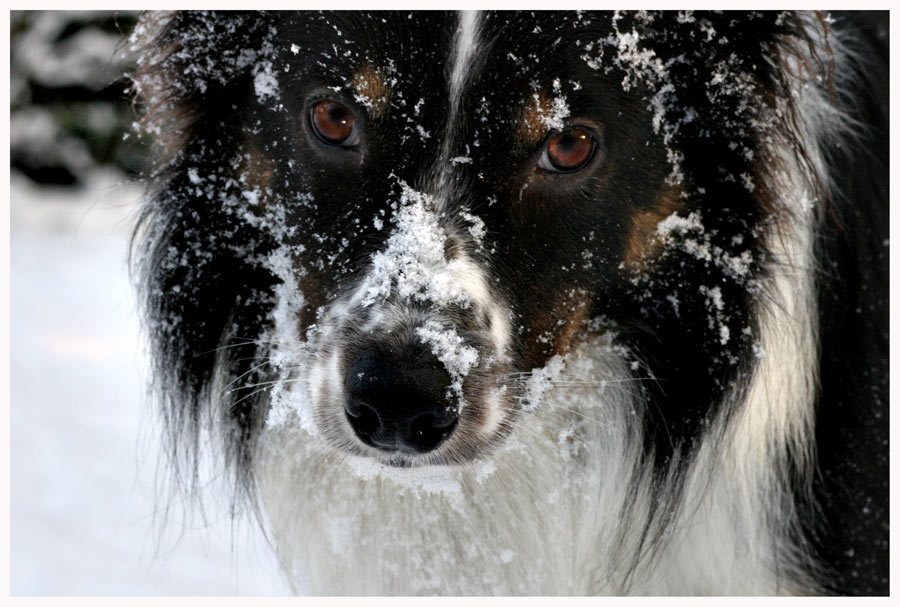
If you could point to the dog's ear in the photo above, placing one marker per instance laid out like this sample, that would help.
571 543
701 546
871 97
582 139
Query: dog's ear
195 249
188 64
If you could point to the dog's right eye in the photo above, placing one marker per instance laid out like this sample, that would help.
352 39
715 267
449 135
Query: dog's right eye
333 123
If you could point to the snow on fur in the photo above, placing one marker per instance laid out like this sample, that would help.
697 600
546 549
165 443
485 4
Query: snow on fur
413 262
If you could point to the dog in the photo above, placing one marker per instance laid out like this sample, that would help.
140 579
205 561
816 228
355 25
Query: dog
528 303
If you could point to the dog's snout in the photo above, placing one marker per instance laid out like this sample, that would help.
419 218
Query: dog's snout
397 404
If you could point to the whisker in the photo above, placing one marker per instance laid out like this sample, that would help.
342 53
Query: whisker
248 342
248 396
544 411
255 342
246 373
273 382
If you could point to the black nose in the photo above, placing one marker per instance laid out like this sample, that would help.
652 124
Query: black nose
400 403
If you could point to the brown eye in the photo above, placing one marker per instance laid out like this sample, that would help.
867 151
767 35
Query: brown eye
333 123
568 151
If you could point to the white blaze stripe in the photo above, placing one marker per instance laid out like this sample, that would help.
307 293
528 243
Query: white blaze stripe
465 44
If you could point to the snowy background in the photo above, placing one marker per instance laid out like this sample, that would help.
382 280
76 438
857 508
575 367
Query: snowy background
86 514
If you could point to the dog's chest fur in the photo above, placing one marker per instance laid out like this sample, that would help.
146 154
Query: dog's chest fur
559 509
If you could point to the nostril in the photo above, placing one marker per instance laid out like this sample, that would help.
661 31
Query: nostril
427 431
364 420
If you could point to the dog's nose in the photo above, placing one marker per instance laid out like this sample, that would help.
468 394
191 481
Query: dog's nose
400 404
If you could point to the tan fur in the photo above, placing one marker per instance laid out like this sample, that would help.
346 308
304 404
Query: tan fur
256 172
641 246
575 311
369 84
531 129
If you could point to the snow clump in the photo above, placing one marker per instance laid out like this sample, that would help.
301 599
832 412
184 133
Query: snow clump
413 262
696 241
476 227
541 381
456 356
555 119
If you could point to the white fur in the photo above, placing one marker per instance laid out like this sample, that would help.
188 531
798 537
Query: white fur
729 538
424 531
737 503
465 46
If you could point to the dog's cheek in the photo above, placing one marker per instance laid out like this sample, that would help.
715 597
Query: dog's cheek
554 326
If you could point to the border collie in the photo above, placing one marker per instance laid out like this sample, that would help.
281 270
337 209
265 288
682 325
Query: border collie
528 303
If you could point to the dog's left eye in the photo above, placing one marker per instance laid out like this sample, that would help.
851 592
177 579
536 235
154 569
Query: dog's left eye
333 123
568 151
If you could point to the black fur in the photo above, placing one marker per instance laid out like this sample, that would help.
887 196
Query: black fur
849 527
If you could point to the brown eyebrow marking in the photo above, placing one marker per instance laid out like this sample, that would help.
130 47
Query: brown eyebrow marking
256 170
532 127
641 244
372 90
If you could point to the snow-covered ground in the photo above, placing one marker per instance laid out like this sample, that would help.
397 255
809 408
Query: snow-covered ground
84 508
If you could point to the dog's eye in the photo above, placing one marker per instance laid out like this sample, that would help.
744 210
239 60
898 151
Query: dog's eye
333 123
568 151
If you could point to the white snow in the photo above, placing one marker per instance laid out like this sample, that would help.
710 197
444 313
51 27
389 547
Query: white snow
264 82
555 117
414 258
450 349
85 516
689 234
422 132
541 381
82 59
476 228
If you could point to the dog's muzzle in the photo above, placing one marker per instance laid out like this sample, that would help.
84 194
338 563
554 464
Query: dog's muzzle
399 401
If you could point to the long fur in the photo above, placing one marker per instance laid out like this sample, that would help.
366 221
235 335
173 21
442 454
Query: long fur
645 354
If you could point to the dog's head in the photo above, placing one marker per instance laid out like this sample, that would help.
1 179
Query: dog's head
381 225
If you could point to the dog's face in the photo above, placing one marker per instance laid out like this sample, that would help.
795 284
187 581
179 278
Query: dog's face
458 209
392 220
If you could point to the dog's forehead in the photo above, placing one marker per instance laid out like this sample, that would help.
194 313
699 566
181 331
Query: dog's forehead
337 45
400 59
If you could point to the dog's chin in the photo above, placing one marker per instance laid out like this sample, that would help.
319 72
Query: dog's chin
469 444
401 460
458 451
